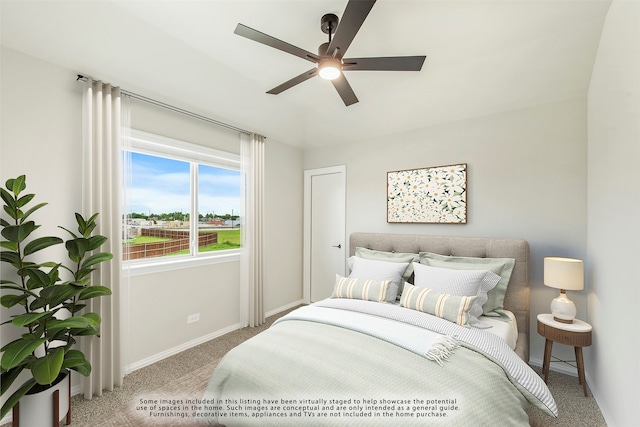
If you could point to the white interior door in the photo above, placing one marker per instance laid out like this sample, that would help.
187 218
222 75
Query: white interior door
324 230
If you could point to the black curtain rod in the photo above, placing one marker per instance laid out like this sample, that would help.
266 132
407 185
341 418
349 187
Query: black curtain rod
83 78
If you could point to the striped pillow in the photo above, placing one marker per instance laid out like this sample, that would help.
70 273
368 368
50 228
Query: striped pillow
450 307
365 289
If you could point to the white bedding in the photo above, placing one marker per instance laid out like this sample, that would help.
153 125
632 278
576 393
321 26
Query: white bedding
505 329
513 365
346 347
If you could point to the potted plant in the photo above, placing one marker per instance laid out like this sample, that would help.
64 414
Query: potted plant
50 296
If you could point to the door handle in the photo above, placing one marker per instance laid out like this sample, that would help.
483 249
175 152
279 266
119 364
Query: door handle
338 246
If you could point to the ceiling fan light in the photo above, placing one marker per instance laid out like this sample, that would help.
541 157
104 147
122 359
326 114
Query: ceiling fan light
329 70
329 73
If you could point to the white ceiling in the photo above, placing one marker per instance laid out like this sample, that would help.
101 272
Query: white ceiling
483 57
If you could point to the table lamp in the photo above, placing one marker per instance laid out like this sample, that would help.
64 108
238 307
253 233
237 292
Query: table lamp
564 274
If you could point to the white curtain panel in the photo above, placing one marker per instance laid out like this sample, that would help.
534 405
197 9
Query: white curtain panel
252 269
101 123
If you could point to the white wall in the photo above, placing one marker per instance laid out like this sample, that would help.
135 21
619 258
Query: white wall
283 226
160 303
40 134
41 137
614 211
526 178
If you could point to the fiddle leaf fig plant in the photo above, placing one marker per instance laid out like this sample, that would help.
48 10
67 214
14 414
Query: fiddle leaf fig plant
49 297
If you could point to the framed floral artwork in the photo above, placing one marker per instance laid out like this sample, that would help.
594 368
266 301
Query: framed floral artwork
430 195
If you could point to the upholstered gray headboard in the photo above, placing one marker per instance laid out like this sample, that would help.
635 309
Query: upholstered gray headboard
517 297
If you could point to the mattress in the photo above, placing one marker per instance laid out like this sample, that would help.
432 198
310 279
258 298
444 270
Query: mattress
507 329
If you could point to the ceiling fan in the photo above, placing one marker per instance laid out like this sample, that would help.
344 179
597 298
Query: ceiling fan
330 61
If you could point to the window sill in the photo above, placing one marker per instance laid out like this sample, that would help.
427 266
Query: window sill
148 267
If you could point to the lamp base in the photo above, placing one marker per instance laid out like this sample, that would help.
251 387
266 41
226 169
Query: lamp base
557 319
562 308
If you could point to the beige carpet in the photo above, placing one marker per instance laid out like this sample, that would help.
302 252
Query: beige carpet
187 388
574 409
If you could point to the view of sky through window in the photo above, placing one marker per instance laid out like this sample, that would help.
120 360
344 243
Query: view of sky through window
161 185
218 191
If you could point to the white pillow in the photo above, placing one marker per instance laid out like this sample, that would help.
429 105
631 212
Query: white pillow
458 282
362 268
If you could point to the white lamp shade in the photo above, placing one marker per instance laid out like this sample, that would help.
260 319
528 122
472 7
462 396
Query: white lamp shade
564 273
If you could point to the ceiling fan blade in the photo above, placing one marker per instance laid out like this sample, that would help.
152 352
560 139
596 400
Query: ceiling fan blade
344 90
255 35
354 15
392 63
294 81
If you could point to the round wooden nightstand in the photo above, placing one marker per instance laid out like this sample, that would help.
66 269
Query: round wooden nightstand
576 334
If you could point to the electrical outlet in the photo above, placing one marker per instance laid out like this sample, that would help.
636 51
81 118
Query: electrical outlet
193 318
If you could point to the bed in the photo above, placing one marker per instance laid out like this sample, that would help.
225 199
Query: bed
374 354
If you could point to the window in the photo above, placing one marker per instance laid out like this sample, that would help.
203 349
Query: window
181 200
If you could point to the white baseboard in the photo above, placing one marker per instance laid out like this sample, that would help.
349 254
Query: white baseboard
596 395
182 347
562 368
569 370
283 308
175 350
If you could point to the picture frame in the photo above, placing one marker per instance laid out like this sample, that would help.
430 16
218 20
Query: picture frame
431 195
